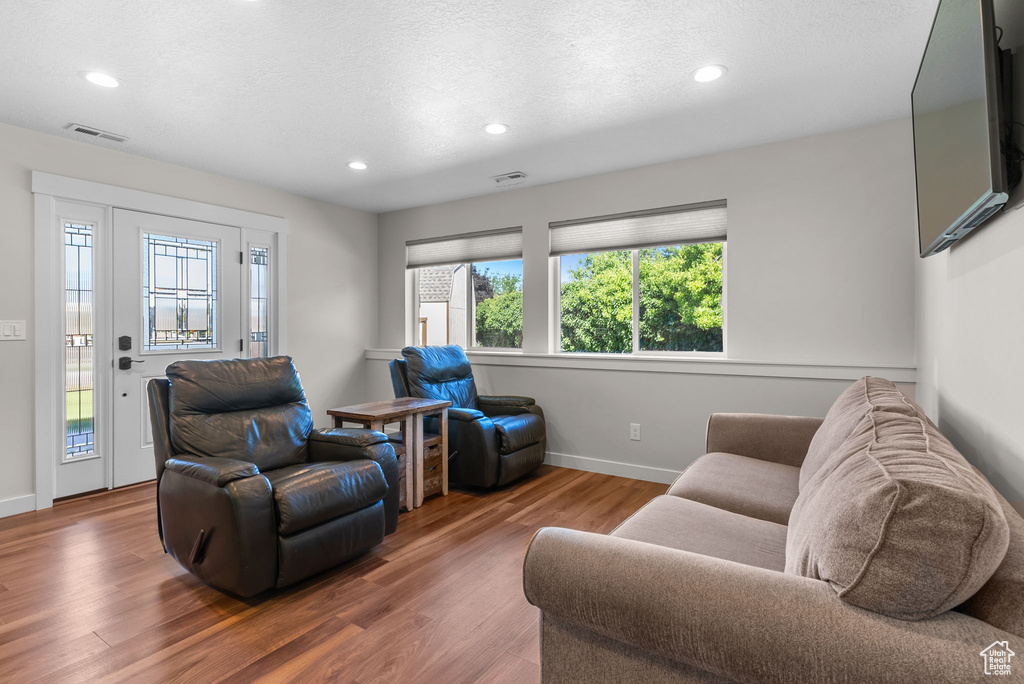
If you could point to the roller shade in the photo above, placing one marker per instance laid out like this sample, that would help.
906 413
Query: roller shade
681 225
487 245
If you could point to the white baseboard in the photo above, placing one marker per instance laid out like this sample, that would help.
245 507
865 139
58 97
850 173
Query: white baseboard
597 465
17 505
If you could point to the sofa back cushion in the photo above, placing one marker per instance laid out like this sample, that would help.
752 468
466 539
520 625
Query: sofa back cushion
1000 602
897 522
865 395
440 373
246 409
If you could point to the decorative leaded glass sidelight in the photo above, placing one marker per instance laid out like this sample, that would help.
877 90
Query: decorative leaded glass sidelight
179 293
78 340
259 313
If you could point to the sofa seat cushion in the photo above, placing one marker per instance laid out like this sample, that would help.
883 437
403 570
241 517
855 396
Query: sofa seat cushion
846 415
519 431
698 528
740 484
898 522
309 494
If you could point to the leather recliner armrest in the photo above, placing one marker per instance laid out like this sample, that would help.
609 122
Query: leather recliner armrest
347 444
510 400
215 471
465 415
353 437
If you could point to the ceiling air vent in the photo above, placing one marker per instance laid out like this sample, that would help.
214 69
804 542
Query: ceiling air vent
96 133
508 179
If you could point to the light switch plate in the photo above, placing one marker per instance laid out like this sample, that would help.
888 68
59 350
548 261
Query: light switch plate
11 331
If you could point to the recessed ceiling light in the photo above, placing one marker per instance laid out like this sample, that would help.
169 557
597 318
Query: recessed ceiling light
99 78
496 128
357 165
709 73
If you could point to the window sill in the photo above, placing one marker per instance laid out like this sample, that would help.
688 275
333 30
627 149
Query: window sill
654 363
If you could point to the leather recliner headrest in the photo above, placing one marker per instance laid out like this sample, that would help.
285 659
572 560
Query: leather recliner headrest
437 364
203 387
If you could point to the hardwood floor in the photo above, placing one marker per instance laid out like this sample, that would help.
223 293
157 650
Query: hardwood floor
87 595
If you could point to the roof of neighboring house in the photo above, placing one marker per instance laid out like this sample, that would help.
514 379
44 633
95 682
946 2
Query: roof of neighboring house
436 283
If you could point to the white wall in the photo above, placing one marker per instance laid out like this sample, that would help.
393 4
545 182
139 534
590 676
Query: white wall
332 269
970 327
820 270
436 314
457 321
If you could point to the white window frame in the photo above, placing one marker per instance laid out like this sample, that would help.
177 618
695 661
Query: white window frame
264 240
51 191
412 335
99 219
556 319
221 344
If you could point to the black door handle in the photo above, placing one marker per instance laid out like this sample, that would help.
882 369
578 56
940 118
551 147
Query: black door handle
125 362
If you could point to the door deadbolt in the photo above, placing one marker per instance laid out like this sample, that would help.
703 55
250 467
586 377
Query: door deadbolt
124 342
125 362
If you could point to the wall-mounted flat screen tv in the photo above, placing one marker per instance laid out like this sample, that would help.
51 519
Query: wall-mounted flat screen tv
959 112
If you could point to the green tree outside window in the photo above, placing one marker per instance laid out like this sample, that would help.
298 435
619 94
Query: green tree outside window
680 302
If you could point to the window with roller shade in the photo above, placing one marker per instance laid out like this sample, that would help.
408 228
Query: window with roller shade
469 289
646 281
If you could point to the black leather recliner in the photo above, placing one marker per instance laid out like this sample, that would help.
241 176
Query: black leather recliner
494 439
250 496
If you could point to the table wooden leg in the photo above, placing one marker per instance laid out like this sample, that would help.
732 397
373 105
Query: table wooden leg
377 425
417 451
444 452
408 438
339 422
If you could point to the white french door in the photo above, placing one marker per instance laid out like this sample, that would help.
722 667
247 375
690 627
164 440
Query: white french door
177 294
138 287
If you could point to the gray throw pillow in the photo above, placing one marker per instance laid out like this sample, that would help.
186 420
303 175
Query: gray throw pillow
898 522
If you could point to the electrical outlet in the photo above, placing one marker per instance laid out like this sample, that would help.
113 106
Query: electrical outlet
634 432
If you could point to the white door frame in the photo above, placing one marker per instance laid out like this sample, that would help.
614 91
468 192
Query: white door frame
49 311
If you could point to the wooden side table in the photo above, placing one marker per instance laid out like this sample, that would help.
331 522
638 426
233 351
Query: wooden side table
409 411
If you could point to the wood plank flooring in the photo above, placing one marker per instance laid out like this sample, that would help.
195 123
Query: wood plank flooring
87 595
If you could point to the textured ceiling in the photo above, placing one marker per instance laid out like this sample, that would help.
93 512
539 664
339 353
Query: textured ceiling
284 93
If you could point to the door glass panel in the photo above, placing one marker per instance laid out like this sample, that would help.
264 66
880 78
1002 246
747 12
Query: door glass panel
179 293
78 336
259 314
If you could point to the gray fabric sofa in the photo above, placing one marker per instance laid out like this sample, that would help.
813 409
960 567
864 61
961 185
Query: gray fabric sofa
858 548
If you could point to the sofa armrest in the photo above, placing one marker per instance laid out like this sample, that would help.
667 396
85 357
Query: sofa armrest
465 415
348 444
506 400
215 471
780 439
737 621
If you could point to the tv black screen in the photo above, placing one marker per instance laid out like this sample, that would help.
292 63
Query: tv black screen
957 125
